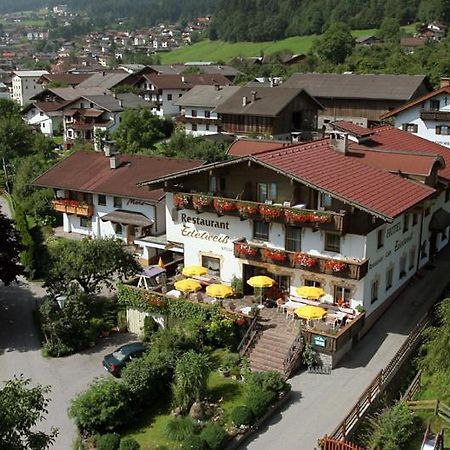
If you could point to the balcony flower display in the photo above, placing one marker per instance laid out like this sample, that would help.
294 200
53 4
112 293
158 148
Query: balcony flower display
321 218
296 216
335 266
270 212
180 200
247 209
274 255
222 205
69 202
304 260
201 201
246 250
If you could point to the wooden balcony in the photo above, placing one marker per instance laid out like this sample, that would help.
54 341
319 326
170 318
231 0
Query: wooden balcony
324 220
65 205
350 269
433 114
198 120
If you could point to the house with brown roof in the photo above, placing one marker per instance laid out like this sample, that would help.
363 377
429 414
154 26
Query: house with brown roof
97 194
358 98
427 116
357 213
269 111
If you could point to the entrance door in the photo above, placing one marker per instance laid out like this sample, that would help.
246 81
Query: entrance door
131 234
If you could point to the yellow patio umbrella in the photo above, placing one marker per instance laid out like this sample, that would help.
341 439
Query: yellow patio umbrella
219 290
311 292
310 312
193 271
261 281
188 285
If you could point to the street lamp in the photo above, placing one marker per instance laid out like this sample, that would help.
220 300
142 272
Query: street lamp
61 299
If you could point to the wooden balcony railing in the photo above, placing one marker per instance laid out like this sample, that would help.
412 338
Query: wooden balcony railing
326 342
325 220
432 114
199 120
68 206
354 270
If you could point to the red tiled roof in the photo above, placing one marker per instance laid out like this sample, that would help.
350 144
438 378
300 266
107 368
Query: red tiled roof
318 164
243 147
352 128
90 172
395 162
388 138
415 102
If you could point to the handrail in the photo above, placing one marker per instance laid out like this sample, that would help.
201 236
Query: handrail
293 354
413 388
249 335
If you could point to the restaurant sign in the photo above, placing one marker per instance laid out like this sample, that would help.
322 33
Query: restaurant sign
319 341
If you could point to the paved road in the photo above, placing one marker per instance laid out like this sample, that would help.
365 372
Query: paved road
320 402
20 354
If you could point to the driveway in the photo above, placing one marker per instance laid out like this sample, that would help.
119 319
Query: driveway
320 402
20 354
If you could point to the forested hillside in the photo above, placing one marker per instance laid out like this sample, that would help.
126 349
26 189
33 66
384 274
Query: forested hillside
265 20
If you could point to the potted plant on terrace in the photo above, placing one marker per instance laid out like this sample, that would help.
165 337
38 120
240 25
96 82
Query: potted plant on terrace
246 250
247 209
200 201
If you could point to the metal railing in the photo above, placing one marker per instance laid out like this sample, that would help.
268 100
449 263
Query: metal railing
293 356
249 335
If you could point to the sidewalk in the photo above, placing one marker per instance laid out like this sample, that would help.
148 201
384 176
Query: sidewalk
320 402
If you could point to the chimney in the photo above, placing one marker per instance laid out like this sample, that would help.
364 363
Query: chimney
121 103
114 161
217 87
253 96
445 82
339 141
109 148
244 101
115 94
183 80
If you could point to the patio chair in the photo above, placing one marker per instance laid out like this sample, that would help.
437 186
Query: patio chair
290 313
280 304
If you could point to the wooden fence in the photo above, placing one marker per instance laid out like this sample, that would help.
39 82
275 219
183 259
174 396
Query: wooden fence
328 443
439 408
380 382
413 388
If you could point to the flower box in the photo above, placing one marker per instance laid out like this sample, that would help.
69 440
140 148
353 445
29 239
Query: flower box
247 209
222 205
201 201
293 216
335 266
304 260
270 212
181 200
246 250
274 255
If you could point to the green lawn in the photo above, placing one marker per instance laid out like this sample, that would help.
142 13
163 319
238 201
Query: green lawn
150 431
207 50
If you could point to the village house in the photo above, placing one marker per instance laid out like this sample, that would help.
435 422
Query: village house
45 117
269 111
198 114
427 116
332 213
98 196
25 84
358 98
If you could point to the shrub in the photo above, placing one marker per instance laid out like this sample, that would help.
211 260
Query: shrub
179 428
150 327
268 381
191 376
242 415
104 406
122 319
214 435
129 444
391 429
194 442
149 376
258 400
108 441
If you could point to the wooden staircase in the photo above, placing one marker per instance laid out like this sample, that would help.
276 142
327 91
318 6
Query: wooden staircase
277 346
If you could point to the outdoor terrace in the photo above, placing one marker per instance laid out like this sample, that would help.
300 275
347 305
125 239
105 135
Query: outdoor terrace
282 213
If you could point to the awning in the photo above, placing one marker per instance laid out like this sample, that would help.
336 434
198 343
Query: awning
127 218
440 220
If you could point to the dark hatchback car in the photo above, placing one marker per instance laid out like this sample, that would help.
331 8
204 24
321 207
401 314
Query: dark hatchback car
116 361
